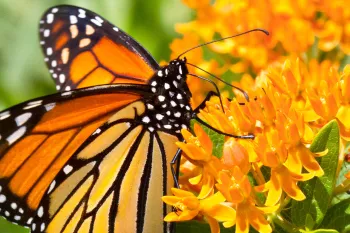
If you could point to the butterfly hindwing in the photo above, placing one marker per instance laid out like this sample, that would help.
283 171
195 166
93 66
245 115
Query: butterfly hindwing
82 49
116 188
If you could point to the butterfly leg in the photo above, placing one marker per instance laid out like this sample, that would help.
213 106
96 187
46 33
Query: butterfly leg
176 162
202 105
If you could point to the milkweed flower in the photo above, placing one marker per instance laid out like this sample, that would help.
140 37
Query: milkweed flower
297 83
187 206
237 191
198 151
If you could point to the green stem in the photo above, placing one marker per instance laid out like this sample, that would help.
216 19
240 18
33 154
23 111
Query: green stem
284 224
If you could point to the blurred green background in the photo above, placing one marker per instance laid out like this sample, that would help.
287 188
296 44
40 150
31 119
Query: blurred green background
23 74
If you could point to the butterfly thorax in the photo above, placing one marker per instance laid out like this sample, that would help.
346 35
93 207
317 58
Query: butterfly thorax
169 108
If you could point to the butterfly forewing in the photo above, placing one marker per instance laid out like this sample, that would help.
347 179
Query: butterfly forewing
83 49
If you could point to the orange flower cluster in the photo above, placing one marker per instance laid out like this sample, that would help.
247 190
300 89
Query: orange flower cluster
284 117
293 26
296 86
297 28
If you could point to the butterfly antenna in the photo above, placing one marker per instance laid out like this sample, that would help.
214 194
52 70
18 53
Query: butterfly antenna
246 96
214 84
225 38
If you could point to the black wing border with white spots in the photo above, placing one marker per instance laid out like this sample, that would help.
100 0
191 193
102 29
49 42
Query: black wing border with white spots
81 17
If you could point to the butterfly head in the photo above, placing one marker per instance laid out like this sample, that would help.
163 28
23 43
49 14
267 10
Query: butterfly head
178 67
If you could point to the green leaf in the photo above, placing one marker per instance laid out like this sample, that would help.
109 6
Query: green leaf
7 227
338 217
318 191
309 223
217 139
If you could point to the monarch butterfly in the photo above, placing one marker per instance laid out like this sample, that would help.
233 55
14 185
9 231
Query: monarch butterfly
94 157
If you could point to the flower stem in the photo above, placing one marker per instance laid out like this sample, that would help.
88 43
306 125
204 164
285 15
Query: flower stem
284 224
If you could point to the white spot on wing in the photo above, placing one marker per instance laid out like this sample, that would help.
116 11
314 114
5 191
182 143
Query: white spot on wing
62 78
66 93
159 116
4 115
175 83
177 114
2 198
29 106
49 51
73 19
161 98
40 212
52 186
146 119
82 13
67 169
46 33
49 18
13 205
54 10
116 29
95 21
16 135
54 63
37 102
49 106
99 19
30 220
42 227
23 118
97 131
